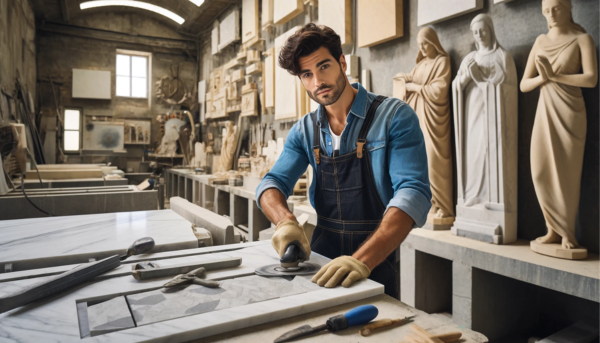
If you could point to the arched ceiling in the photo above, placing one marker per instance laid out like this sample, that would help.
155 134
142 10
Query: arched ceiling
196 18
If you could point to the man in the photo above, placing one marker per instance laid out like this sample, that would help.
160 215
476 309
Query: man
370 185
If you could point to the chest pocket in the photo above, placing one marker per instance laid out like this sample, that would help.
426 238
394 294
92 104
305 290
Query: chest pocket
349 172
375 145
348 177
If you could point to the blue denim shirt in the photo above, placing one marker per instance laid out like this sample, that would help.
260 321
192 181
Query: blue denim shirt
395 143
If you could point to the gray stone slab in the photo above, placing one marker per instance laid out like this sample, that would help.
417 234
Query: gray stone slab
156 306
517 261
475 235
94 201
109 316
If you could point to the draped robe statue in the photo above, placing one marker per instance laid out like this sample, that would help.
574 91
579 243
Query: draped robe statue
427 91
228 147
559 129
485 120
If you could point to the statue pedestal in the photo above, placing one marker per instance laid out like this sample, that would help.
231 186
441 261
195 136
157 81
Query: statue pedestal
556 250
438 224
491 223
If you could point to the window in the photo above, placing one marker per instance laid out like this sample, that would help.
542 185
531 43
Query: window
132 74
72 129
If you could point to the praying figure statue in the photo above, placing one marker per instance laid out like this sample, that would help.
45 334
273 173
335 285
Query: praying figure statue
427 91
559 129
486 131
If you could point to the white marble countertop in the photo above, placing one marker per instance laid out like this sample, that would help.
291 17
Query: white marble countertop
46 242
55 319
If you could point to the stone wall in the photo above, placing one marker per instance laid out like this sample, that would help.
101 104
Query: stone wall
517 25
17 45
90 42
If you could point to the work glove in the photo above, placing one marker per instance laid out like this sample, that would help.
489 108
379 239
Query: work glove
344 268
288 232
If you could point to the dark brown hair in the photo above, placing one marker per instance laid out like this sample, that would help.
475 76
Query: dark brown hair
305 41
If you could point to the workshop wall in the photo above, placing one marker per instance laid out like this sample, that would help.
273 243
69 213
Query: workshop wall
90 42
517 25
17 45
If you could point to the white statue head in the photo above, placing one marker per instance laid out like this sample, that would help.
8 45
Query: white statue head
483 31
558 13
429 44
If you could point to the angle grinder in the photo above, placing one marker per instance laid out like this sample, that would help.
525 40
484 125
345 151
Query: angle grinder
291 263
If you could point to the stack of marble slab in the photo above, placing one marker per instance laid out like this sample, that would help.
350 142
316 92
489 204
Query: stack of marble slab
76 201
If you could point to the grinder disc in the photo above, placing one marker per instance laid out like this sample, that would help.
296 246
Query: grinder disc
303 268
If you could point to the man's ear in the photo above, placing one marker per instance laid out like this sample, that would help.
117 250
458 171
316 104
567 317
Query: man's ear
343 63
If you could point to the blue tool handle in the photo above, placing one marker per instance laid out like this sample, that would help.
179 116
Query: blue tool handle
356 316
361 315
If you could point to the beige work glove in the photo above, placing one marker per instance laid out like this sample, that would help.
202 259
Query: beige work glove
345 268
288 232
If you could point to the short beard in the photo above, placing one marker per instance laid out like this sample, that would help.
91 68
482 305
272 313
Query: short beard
336 92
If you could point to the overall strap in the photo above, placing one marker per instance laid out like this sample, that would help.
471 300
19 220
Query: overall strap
362 135
317 137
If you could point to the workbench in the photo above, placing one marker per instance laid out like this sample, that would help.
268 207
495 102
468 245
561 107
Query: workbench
440 272
63 317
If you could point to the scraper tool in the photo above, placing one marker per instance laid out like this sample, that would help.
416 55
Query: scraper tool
356 316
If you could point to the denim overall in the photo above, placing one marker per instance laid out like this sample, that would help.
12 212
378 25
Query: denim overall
348 206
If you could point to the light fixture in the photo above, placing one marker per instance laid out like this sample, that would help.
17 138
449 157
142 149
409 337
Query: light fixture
137 4
197 2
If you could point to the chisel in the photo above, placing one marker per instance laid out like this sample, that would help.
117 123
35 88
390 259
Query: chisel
356 316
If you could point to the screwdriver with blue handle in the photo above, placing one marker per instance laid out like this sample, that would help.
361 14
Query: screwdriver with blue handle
356 316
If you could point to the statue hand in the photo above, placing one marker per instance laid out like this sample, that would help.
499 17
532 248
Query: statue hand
541 71
412 87
543 63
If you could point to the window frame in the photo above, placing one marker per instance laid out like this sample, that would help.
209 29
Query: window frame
80 130
131 53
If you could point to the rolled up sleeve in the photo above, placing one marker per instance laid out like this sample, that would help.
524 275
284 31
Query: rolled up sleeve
288 168
407 158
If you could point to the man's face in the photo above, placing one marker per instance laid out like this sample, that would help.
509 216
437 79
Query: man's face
323 77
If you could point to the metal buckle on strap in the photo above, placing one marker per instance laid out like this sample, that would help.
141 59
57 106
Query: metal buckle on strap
317 157
359 147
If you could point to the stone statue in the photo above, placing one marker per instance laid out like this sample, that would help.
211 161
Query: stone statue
559 129
485 119
168 145
228 147
427 91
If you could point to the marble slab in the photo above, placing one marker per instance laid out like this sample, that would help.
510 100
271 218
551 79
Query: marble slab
156 306
109 316
48 242
56 318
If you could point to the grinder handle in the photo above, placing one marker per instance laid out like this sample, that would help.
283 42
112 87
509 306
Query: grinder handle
292 252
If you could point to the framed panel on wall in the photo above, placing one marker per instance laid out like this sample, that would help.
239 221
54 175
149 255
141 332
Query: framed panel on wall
104 135
229 29
286 10
379 21
137 131
269 84
267 14
250 24
435 11
337 14
285 95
